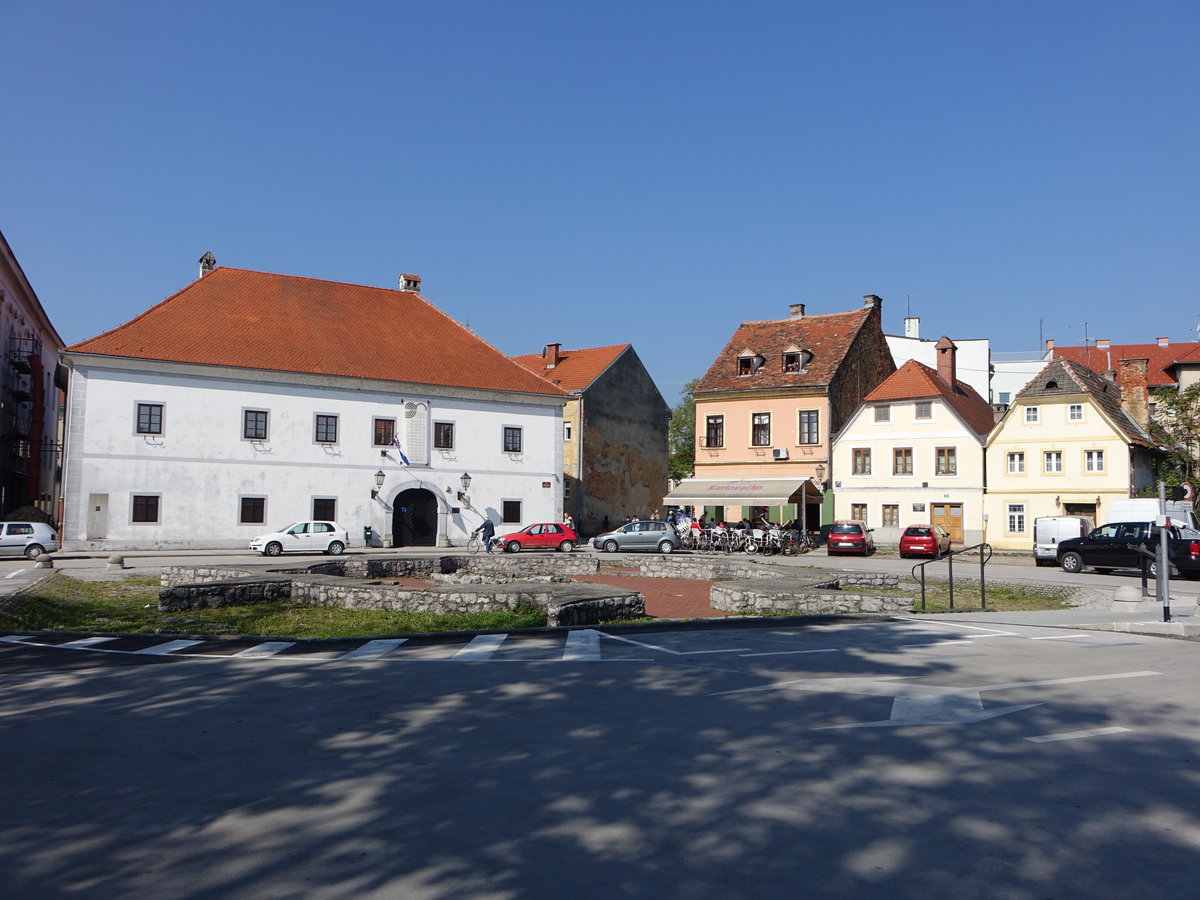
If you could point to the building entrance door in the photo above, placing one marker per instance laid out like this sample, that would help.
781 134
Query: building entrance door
949 516
414 519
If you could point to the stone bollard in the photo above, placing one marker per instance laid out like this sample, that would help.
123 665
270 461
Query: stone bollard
1126 598
116 562
45 561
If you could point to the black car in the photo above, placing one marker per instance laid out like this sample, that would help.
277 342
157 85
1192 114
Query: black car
1111 547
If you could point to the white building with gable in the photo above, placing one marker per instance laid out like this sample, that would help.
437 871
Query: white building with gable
250 400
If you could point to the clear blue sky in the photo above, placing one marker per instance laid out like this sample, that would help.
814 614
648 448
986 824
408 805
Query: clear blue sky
600 173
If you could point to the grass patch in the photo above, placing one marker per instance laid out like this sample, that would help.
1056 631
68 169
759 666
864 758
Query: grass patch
60 603
1001 598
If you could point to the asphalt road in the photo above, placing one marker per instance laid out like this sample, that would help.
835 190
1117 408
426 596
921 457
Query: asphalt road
875 759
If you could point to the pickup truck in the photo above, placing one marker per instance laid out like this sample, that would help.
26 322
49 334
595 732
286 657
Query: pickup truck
1109 547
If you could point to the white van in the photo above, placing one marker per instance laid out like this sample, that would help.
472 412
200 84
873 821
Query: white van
1049 530
1145 509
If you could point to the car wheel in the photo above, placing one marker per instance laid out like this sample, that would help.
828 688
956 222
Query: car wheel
336 548
566 547
33 551
665 546
1071 562
610 546
513 547
273 549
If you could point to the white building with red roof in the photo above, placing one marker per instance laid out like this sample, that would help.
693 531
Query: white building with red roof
912 453
250 399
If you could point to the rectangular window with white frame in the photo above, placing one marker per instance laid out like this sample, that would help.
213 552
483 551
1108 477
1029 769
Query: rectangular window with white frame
714 431
325 429
883 414
891 515
566 431
443 435
254 424
145 509
1093 461
924 409
902 461
1052 462
861 460
1016 462
1016 518
760 430
1075 412
810 426
946 460
150 418
252 510
1032 415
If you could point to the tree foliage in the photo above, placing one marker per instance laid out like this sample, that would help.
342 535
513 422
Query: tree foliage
681 435
1176 425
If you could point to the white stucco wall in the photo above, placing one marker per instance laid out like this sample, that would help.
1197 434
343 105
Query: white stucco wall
201 466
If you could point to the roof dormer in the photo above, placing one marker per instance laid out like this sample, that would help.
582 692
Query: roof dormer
749 362
796 359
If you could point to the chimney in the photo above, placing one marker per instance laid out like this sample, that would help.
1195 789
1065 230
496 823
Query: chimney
208 262
947 367
1133 378
1163 342
872 300
912 327
1049 344
551 355
797 310
1103 343
410 283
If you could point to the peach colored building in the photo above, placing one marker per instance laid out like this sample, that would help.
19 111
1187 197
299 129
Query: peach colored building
767 407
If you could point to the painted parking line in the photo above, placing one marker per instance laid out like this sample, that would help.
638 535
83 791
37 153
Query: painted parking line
268 648
374 649
168 647
482 647
1063 637
792 652
617 637
16 573
84 643
1077 680
582 646
17 638
1075 735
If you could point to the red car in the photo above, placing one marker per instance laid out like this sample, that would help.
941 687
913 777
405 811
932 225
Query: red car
849 537
542 536
924 540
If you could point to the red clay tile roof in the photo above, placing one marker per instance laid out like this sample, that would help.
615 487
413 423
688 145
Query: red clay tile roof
828 336
285 323
576 369
916 381
1105 359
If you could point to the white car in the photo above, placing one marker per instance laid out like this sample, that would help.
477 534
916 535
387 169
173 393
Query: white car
302 537
28 539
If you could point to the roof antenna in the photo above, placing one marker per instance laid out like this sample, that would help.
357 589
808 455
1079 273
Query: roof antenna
1087 348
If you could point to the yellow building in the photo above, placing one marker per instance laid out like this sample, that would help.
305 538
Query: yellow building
1070 444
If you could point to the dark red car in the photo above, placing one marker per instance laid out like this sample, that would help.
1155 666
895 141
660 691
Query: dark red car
924 540
542 536
850 537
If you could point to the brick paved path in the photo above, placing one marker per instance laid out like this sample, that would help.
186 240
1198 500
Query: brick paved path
666 598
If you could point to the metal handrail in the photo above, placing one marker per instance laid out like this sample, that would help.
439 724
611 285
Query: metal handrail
985 556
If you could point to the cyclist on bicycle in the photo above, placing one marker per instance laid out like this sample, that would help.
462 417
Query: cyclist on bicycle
486 531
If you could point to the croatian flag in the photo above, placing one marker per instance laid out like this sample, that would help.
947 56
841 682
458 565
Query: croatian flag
399 449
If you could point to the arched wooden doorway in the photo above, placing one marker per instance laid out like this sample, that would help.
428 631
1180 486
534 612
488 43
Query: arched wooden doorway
414 519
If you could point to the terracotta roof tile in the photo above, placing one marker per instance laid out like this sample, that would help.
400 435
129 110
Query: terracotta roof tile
1105 359
828 337
285 323
917 381
576 369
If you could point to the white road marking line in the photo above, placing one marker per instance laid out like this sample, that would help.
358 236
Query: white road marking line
267 648
482 646
992 632
16 573
373 649
792 652
1073 735
168 647
958 643
1063 637
617 637
84 643
1081 678
17 638
582 646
